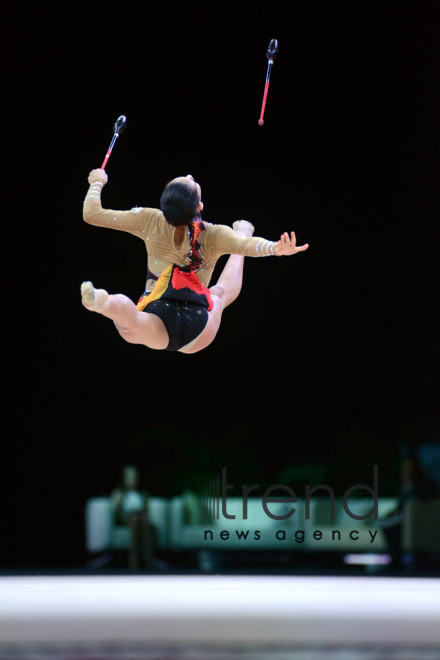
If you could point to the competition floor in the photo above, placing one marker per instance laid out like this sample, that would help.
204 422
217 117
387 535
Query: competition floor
219 618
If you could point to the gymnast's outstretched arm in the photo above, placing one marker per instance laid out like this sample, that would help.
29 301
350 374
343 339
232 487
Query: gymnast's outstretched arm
221 239
137 221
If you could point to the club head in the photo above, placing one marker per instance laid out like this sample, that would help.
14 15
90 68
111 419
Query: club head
272 50
120 125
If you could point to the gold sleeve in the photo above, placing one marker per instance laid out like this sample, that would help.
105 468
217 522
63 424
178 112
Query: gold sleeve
136 221
226 241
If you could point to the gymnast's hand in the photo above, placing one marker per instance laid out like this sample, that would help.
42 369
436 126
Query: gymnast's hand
287 245
96 175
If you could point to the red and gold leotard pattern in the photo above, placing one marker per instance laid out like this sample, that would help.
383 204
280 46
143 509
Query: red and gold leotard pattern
179 286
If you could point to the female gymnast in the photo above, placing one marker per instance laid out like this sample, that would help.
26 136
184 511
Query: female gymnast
177 312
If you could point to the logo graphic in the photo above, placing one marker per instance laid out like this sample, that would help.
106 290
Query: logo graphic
211 499
213 494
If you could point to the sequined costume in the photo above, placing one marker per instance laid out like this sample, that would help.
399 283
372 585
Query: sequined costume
163 255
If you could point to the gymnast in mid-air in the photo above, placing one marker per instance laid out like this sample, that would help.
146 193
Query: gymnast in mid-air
177 311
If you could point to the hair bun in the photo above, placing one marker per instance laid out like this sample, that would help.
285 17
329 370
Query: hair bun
172 212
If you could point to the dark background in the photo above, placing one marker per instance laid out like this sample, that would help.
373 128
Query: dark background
327 358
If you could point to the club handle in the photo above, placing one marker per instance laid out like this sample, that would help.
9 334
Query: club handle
118 128
272 54
109 150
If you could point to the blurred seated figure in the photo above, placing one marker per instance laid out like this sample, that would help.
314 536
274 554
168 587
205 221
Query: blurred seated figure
131 509
416 484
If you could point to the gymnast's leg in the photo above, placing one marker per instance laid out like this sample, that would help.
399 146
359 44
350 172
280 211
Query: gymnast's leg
225 291
133 326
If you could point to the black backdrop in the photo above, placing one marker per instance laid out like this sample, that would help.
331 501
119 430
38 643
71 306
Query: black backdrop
329 357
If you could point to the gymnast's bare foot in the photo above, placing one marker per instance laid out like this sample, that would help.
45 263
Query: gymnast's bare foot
243 228
96 300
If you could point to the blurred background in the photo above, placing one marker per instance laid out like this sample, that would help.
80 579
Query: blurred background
326 365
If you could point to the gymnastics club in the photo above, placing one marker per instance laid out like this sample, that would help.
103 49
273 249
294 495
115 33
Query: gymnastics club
272 53
118 128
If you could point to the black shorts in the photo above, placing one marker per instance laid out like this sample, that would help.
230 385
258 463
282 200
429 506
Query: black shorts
181 301
184 322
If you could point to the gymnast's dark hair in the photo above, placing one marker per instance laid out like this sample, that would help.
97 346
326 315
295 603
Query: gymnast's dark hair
179 203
